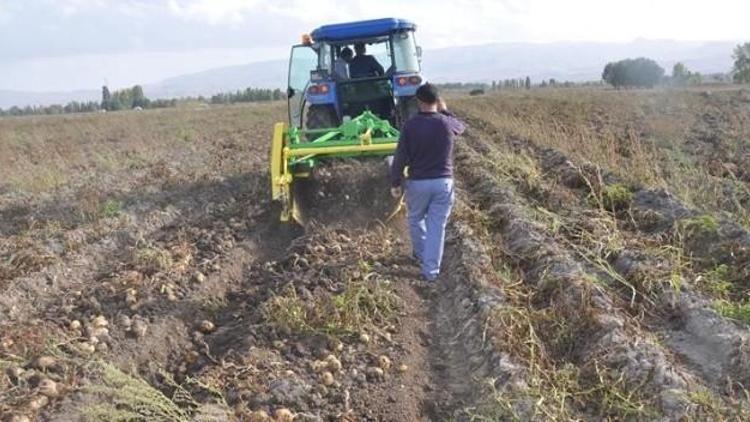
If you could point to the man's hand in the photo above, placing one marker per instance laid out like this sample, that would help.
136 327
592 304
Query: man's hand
397 192
441 105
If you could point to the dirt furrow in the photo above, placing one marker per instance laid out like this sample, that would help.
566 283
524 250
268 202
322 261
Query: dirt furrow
682 317
605 335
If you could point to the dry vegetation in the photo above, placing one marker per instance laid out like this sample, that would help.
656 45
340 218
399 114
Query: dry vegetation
596 269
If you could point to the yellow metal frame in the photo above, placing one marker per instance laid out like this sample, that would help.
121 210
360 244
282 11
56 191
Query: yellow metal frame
281 178
304 152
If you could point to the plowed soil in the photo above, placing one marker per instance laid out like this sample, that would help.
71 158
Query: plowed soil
145 275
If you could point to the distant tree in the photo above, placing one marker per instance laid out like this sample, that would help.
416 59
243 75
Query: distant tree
741 69
115 104
640 72
680 72
106 98
138 98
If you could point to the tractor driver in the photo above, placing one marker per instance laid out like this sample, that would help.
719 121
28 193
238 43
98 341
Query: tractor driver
364 65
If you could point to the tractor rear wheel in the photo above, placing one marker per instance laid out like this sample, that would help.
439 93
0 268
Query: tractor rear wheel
320 117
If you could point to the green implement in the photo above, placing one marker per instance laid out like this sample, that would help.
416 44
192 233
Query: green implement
293 155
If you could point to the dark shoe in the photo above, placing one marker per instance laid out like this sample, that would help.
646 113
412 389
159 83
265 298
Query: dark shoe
431 279
415 259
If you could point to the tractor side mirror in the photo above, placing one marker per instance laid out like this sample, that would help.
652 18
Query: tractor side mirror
290 92
419 52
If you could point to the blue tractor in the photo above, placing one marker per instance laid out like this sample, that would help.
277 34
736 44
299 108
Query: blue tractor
328 88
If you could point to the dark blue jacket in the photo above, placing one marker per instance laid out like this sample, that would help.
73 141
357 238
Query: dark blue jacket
364 67
426 147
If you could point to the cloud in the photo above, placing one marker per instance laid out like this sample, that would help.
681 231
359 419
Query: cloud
214 11
117 26
5 14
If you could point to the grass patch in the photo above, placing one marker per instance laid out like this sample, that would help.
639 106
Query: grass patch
151 259
111 208
365 301
739 311
554 388
716 282
127 398
617 197
701 225
519 168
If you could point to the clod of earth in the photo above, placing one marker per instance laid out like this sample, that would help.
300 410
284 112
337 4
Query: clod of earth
48 388
139 327
45 362
38 402
375 374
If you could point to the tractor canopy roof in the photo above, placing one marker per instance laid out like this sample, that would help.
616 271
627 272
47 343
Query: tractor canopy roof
362 29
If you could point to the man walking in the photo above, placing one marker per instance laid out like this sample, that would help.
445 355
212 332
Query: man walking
426 148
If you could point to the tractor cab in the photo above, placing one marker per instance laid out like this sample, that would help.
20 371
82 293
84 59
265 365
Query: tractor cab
327 86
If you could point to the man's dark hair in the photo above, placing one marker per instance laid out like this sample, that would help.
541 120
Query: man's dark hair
428 94
346 53
360 48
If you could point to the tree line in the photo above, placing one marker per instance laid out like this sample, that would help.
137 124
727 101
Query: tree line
135 98
646 73
249 95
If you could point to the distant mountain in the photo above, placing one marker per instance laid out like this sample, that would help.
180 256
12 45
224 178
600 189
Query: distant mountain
572 61
564 61
270 74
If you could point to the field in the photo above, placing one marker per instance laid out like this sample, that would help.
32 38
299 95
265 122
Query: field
596 268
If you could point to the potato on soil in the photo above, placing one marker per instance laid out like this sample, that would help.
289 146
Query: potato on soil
206 326
333 363
259 416
327 378
384 362
283 415
99 322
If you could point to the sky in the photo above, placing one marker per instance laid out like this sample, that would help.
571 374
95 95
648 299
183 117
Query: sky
65 45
